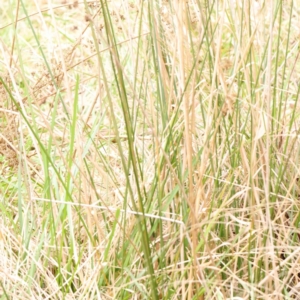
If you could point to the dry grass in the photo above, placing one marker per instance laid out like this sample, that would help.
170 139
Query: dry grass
149 149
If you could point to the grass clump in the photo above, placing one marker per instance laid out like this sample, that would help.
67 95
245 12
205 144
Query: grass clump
149 150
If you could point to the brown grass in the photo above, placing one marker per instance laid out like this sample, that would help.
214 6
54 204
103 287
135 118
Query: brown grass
149 150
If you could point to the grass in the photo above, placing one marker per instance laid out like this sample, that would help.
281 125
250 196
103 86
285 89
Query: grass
149 150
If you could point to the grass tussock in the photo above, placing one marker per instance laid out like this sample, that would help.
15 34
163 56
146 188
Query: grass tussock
149 149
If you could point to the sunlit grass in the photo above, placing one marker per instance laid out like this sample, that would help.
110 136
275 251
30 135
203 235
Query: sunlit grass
149 150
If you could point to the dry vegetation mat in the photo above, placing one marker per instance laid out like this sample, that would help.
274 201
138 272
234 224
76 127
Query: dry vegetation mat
149 149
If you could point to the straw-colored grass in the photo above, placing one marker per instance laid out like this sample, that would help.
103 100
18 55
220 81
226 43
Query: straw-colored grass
149 149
